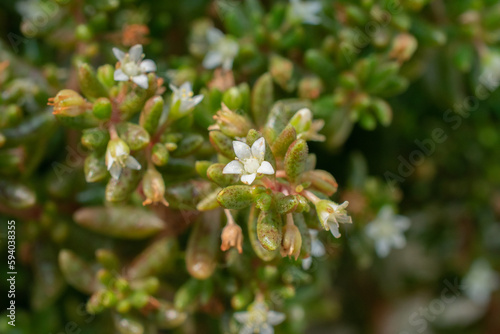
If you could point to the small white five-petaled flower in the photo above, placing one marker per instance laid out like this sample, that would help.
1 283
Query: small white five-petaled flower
222 50
259 319
332 214
132 67
306 12
387 230
249 161
118 157
184 96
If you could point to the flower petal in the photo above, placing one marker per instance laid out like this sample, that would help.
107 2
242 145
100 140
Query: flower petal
119 54
135 53
115 171
259 149
265 168
173 88
275 318
147 65
382 248
186 86
241 317
120 76
214 35
248 178
196 99
212 60
132 163
334 228
265 329
234 167
141 81
241 150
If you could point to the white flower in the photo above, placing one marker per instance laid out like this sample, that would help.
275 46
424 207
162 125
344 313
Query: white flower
305 12
249 162
317 249
387 230
332 214
132 67
259 319
480 282
222 50
118 157
184 95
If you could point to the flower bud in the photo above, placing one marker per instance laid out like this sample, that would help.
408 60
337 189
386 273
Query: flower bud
153 187
232 236
231 123
292 240
68 103
102 108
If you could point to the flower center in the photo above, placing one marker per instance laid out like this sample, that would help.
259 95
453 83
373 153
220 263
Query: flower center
251 165
386 230
131 69
185 94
